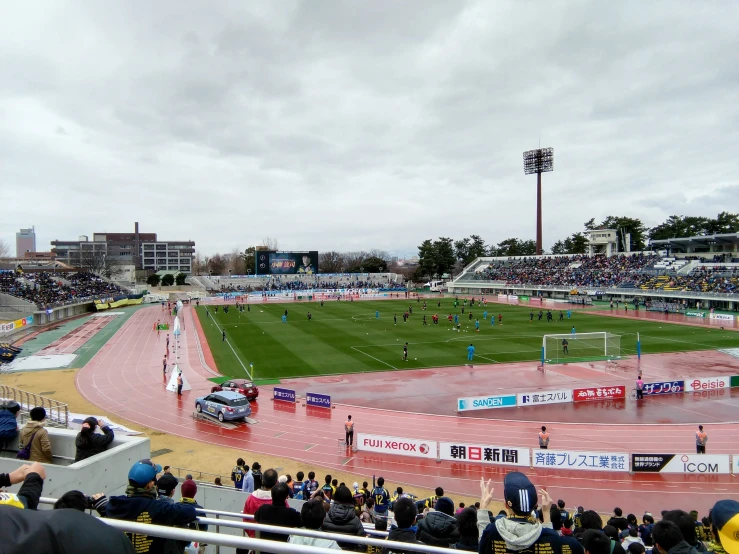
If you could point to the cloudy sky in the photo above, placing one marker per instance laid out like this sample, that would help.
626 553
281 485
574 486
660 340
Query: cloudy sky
355 125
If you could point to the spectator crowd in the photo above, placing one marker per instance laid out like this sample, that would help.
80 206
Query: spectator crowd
49 289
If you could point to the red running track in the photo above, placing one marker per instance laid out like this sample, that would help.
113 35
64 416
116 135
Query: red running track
125 379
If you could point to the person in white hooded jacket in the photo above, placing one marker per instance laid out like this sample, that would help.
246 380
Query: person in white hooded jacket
312 515
520 532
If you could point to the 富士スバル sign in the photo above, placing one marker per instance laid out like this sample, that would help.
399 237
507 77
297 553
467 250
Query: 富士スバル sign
543 397
486 402
315 399
707 383
286 395
418 448
484 454
587 461
598 393
716 464
663 387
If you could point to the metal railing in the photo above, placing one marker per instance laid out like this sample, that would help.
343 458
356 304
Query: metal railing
57 413
256 544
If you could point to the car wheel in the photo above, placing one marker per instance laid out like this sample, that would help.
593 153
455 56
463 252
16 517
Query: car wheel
198 408
220 417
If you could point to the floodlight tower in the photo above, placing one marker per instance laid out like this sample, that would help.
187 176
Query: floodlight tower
538 161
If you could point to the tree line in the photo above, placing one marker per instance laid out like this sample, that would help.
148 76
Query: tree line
446 256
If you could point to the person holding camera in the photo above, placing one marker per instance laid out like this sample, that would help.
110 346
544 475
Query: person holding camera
88 442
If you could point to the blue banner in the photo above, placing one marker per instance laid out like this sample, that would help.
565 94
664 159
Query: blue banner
319 400
485 402
663 387
286 395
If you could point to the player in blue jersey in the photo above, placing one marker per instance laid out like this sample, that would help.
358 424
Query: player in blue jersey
470 352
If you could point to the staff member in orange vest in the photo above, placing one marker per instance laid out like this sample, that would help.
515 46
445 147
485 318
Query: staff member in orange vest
543 438
349 428
701 438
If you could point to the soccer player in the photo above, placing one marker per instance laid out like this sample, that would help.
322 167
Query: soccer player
309 316
405 352
549 316
485 314
284 318
285 313
450 319
561 316
565 345
531 316
456 320
500 319
470 316
477 325
164 364
492 319
424 319
395 319
377 314
470 352
573 332
223 336
569 314
541 314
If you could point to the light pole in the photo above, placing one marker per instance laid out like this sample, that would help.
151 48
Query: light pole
538 161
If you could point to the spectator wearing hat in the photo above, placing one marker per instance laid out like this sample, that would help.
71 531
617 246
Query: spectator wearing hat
90 443
33 433
725 525
8 422
166 485
189 489
140 504
342 518
439 527
518 531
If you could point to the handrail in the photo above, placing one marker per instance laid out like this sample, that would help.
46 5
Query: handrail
56 412
278 547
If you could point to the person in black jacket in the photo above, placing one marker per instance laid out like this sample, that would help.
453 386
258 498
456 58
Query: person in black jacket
618 520
342 518
439 527
32 476
140 505
468 534
405 514
277 513
61 531
88 442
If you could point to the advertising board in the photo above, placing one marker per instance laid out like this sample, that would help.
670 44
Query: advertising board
543 397
485 402
417 448
707 383
484 454
663 387
687 464
723 317
598 393
318 400
285 395
578 460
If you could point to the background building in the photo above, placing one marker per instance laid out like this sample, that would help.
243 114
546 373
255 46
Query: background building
25 241
142 250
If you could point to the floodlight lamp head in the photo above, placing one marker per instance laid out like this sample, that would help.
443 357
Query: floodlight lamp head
540 160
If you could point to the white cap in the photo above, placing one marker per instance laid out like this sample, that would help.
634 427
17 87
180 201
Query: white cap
355 485
282 479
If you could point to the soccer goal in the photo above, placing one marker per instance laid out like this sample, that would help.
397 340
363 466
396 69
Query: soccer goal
580 347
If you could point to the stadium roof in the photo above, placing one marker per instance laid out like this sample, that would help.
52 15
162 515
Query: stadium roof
699 240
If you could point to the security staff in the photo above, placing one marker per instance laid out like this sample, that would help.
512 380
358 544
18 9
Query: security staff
543 438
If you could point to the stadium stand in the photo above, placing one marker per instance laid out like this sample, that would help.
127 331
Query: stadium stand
49 289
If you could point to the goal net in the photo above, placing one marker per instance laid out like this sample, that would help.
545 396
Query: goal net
581 347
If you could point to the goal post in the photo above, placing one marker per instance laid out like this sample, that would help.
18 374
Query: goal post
580 347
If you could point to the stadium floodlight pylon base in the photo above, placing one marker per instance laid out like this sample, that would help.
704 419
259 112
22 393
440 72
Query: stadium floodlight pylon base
581 347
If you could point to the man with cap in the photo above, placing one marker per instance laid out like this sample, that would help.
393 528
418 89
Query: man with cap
34 434
520 532
439 527
166 486
725 525
140 505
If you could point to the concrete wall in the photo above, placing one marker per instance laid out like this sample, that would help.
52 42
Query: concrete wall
106 472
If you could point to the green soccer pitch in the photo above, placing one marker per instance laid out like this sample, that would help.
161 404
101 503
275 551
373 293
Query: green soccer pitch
347 337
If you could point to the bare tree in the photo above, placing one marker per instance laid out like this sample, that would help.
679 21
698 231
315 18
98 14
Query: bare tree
270 243
382 254
198 264
100 263
331 262
4 249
